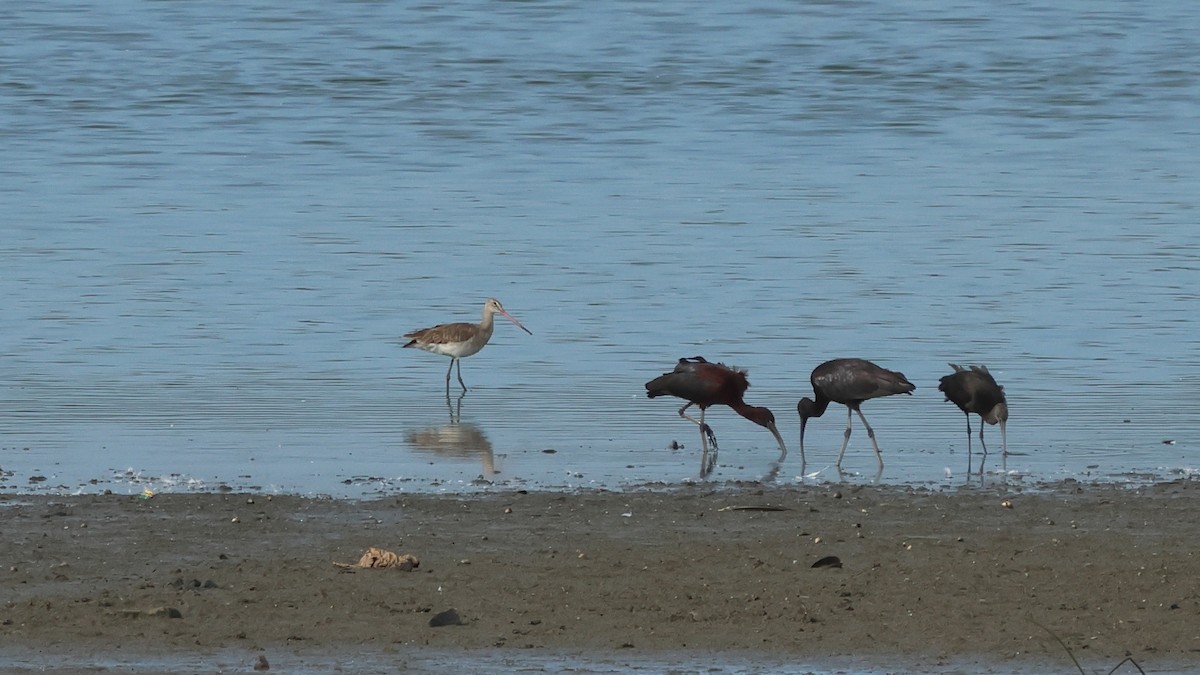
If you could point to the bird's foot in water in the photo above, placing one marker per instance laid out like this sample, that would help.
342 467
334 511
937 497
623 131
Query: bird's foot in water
712 438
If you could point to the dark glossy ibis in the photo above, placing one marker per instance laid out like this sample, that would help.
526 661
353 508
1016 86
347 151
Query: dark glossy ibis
460 340
705 384
849 382
974 390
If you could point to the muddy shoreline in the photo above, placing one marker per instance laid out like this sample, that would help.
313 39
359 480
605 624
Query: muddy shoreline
926 575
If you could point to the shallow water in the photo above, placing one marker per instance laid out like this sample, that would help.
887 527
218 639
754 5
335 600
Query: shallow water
421 660
218 222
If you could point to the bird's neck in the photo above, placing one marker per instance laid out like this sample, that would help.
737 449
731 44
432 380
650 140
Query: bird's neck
750 412
998 413
741 408
818 406
488 321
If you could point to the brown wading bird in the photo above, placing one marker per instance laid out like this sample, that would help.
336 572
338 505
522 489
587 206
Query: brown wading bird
974 390
849 382
705 384
460 340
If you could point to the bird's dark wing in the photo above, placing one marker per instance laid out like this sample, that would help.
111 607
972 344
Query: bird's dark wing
954 386
848 380
982 373
701 382
973 390
686 385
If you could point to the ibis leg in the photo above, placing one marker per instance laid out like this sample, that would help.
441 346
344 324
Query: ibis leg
703 437
708 461
846 438
704 428
693 420
871 435
968 416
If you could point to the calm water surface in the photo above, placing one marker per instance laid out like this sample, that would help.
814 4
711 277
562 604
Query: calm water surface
218 220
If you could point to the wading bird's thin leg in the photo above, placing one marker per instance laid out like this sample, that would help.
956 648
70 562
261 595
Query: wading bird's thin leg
450 370
706 433
459 371
704 428
693 420
697 422
704 445
871 435
708 461
846 439
968 416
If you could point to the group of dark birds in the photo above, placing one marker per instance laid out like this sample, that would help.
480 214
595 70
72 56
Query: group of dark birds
849 382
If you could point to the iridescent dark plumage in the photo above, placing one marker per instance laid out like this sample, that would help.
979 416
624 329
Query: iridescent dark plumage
974 390
705 384
849 382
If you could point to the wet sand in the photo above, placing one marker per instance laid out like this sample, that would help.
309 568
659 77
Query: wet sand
929 577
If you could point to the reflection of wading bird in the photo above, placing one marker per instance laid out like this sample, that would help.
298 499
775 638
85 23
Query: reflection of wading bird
460 340
974 390
705 384
457 440
849 382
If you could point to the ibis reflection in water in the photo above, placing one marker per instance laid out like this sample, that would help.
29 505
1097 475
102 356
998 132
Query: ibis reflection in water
705 384
849 382
460 340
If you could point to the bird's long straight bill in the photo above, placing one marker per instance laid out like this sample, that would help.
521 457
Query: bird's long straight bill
513 319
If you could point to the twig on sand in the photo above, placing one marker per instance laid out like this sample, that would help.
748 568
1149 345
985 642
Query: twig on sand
1127 659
